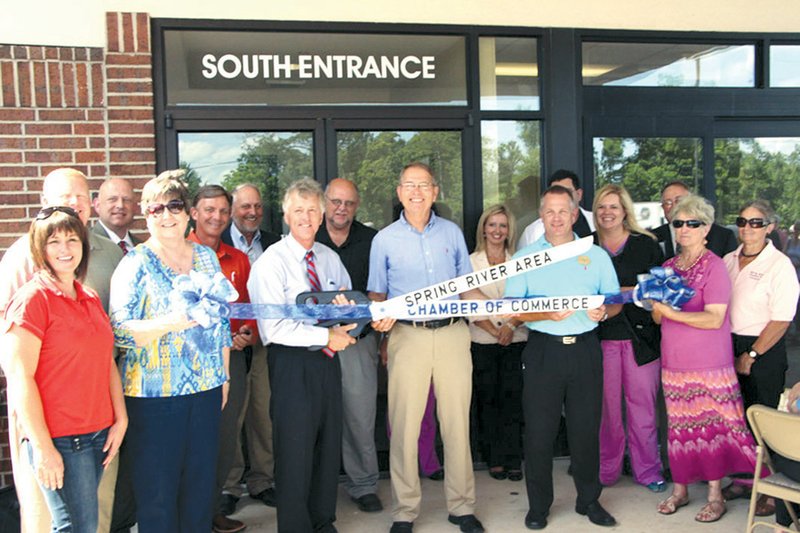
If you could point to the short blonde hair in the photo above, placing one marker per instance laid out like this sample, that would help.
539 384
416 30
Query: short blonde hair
695 206
497 209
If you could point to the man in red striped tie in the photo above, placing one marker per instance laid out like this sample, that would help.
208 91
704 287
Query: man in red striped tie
305 375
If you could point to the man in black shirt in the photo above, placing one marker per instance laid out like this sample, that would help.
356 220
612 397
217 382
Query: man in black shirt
352 240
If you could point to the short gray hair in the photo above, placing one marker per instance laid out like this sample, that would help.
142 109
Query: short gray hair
695 206
304 187
764 208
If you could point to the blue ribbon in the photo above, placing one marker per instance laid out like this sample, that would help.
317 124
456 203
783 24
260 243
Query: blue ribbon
204 298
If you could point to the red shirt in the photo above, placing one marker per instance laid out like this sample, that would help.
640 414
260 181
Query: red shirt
236 267
73 373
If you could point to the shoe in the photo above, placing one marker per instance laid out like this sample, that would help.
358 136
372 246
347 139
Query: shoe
402 527
368 503
498 474
657 486
267 497
672 504
711 512
515 475
534 522
223 524
597 515
467 523
327 528
734 492
227 504
438 475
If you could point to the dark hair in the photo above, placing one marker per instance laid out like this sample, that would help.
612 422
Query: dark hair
58 222
211 191
563 174
674 183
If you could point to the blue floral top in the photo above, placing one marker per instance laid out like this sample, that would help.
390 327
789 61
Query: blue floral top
176 364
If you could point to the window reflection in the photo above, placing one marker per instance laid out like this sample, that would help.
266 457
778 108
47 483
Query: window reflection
784 66
511 162
668 65
644 165
509 73
374 159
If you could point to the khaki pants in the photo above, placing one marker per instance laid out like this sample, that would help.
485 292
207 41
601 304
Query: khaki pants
415 356
34 515
258 428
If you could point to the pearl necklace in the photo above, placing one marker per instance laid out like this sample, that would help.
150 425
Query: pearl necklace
679 262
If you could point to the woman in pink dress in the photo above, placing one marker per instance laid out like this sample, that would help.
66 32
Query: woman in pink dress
707 435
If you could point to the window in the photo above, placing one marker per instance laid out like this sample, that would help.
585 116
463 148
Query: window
509 74
784 66
643 165
668 65
511 155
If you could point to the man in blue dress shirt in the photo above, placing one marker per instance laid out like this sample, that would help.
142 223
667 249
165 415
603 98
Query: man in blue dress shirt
416 251
562 364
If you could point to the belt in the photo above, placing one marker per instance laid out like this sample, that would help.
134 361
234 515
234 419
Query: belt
432 324
568 339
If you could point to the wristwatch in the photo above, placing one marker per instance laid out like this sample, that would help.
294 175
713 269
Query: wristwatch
753 354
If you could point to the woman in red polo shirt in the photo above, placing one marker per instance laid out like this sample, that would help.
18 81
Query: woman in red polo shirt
61 373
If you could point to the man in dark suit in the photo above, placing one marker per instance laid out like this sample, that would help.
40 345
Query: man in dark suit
720 239
114 205
245 234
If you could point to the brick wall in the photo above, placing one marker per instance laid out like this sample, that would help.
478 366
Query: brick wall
86 108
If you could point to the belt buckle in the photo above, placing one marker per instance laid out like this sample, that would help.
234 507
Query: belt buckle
569 340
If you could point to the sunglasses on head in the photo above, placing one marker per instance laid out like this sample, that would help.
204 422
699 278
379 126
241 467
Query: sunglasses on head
173 206
752 222
47 212
691 223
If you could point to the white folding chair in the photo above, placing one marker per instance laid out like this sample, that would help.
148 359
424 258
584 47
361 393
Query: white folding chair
779 432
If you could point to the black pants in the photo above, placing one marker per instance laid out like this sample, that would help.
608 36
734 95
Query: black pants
557 375
767 376
229 428
306 411
497 384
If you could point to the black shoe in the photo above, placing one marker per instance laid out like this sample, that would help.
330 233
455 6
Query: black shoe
267 497
227 504
223 524
534 522
368 503
467 523
515 475
498 474
402 527
327 528
438 475
597 515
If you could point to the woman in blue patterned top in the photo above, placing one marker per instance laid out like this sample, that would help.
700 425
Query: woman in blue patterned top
174 372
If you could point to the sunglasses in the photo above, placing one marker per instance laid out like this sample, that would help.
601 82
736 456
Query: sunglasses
47 212
691 223
752 222
173 206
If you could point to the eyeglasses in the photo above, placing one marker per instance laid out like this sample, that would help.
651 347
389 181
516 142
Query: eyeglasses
752 222
670 203
174 207
47 212
690 223
423 186
349 204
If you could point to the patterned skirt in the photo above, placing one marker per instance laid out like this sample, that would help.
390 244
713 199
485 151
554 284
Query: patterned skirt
707 434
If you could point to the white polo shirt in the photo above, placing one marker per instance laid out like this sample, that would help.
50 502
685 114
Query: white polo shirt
765 290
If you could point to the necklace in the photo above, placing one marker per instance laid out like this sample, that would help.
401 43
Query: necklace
680 262
755 254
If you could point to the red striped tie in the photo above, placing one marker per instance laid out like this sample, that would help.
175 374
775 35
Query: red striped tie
313 280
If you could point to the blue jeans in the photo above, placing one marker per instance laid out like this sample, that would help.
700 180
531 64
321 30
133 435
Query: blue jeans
73 507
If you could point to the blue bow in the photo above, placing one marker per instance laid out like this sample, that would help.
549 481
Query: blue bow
203 297
661 285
